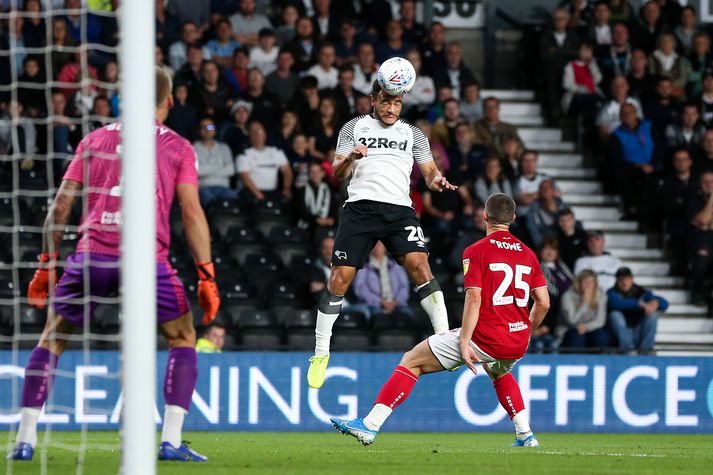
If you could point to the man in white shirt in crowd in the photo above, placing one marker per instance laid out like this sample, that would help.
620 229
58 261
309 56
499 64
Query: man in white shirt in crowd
608 117
324 70
178 51
260 166
602 263
215 165
527 186
365 68
264 55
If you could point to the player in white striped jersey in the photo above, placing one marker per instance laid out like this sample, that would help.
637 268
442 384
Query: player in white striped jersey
378 151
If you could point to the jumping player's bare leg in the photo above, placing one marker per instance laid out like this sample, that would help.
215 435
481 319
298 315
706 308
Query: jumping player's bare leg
330 304
429 292
181 375
39 374
510 397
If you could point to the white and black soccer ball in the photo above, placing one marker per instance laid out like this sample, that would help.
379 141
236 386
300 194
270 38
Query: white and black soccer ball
396 76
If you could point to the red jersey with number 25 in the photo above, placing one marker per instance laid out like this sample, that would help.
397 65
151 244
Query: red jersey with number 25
506 271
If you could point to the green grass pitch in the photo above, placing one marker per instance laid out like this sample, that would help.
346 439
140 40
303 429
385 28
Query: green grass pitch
407 453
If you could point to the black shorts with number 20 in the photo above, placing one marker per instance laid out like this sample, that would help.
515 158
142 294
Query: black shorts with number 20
365 222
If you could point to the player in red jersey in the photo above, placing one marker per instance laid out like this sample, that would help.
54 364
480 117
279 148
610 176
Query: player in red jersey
501 274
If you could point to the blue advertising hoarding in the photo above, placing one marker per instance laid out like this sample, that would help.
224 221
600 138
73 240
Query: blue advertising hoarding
269 392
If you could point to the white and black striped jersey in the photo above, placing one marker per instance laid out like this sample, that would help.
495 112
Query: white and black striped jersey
385 173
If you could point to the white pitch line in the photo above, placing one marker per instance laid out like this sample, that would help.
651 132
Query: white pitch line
602 454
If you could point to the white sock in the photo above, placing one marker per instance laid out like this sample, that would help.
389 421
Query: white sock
435 307
27 432
173 424
522 425
323 332
377 416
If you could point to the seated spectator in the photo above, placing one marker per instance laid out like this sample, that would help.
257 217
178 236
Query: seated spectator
324 71
646 31
686 30
705 99
214 95
687 132
621 11
183 117
62 51
32 98
542 214
346 47
703 160
100 113
471 107
324 21
571 238
433 49
190 72
465 156
213 339
110 77
699 211
286 30
260 167
303 46
73 73
237 74
423 92
599 31
236 136
264 55
283 82
559 279
557 47
34 28
414 32
289 127
633 313
634 157
447 211
492 181
393 45
306 101
614 60
580 82
456 74
299 157
700 59
435 112
661 110
265 105
365 69
601 263
510 157
184 10
321 269
215 166
382 285
324 131
444 129
247 23
665 62
345 95
584 313
490 130
641 82
674 190
317 207
466 237
527 185
221 48
608 118
178 51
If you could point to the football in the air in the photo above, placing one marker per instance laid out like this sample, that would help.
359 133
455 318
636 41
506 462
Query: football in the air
396 76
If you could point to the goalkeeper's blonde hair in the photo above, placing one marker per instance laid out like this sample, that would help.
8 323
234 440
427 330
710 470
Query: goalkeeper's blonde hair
164 86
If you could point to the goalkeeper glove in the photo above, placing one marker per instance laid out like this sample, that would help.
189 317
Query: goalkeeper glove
45 278
208 296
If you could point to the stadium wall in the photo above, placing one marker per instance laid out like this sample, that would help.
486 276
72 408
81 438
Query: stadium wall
268 392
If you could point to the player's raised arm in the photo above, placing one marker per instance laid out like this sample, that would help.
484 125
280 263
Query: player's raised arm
540 307
471 314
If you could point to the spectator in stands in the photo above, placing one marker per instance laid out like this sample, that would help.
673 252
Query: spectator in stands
33 97
446 212
465 156
423 92
541 219
214 95
557 47
705 99
325 72
527 185
283 82
365 69
662 109
34 29
298 155
64 131
289 127
444 129
466 237
101 112
61 43
599 31
646 31
433 50
580 82
700 59
285 32
414 32
265 105
584 313
213 339
322 267
674 190
559 279
345 95
686 30
324 131
704 160
635 159
178 52
621 11
260 167
456 74
641 82
490 130
190 10
303 46
236 136
492 181
190 72
237 74
317 206
393 44
382 285
633 313
183 117
221 48
614 60
324 21
670 13
602 263
571 237
306 100
700 213
346 47
687 132
215 165
264 55
510 158
247 23
666 62
471 107
609 118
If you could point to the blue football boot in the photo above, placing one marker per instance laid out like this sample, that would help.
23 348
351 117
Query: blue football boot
529 441
22 451
355 428
184 453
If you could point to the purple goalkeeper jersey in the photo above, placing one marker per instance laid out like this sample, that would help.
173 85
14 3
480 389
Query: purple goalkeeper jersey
97 166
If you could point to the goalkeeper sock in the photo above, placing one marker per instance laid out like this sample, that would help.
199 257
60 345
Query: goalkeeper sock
434 305
181 376
173 424
39 376
510 398
327 313
27 432
392 394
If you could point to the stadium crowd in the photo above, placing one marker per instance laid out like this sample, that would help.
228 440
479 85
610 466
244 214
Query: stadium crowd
262 91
